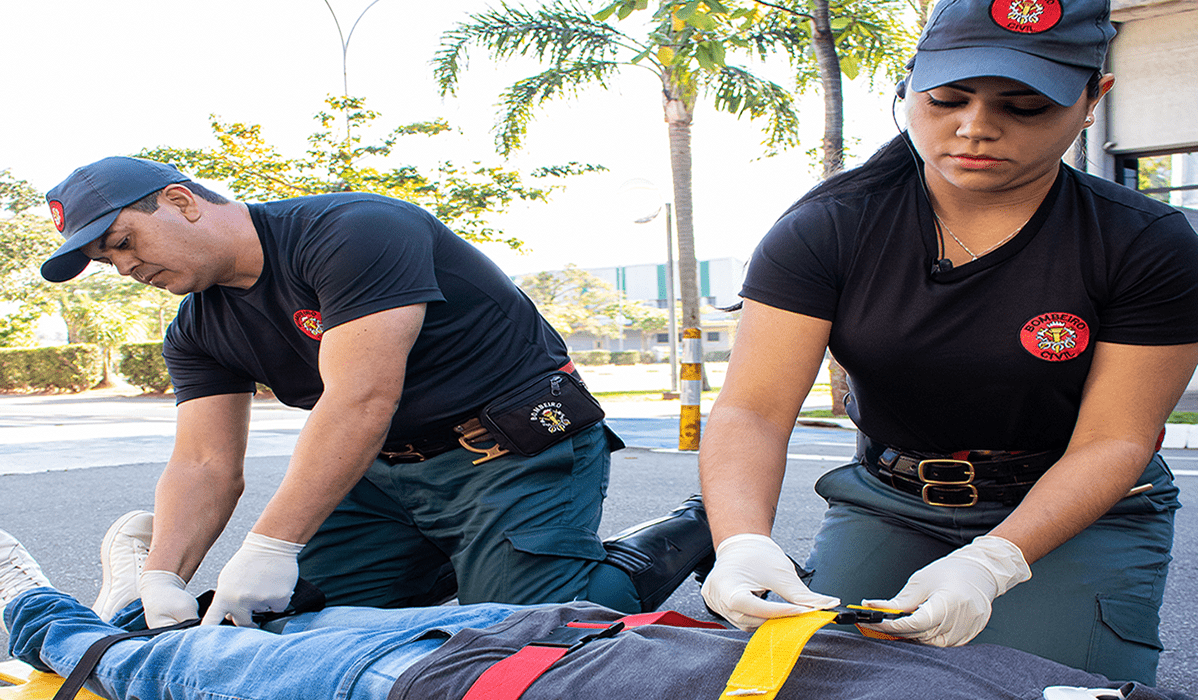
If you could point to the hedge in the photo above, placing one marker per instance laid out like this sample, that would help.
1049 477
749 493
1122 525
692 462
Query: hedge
626 357
74 367
592 357
143 366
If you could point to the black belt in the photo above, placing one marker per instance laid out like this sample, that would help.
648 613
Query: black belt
958 479
466 432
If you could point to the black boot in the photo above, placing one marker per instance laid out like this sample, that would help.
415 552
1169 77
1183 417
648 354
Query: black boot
658 555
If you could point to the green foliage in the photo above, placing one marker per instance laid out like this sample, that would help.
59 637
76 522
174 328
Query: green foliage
626 357
143 365
576 301
63 368
686 48
17 195
592 357
341 159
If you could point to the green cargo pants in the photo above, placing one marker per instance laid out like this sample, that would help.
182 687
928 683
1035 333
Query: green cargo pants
1092 603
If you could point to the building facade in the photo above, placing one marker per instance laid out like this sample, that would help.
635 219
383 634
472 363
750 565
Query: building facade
1145 131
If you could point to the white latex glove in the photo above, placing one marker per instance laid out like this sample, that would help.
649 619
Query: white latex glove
164 599
747 565
260 577
952 597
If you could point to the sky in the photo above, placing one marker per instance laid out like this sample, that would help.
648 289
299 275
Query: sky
82 80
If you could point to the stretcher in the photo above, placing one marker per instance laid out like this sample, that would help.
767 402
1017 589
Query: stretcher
20 681
761 672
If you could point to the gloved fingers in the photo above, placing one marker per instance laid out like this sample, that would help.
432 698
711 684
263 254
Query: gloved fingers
937 622
165 600
222 609
803 596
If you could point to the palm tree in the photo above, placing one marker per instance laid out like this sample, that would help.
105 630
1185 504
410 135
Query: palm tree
684 51
867 32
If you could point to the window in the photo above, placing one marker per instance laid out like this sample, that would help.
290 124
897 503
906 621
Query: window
1167 177
662 338
714 336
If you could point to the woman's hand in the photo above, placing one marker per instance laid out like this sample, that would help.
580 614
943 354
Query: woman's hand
952 597
749 565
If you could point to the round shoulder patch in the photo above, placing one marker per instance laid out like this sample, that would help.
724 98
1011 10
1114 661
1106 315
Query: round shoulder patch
1055 336
1026 16
56 213
309 322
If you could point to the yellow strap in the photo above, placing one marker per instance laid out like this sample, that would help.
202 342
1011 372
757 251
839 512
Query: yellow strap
771 654
19 681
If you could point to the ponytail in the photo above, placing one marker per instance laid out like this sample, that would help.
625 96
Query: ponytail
893 162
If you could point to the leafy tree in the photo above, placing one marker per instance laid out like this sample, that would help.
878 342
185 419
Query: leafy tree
98 308
17 195
684 52
575 301
338 159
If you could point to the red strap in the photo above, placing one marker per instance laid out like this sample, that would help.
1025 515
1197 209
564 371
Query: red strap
569 368
509 678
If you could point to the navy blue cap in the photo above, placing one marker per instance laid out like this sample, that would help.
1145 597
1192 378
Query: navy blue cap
1053 46
85 204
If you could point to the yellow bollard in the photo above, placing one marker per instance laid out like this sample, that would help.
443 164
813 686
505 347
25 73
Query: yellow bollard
689 391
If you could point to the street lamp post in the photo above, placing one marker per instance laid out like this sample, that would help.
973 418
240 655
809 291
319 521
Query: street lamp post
673 332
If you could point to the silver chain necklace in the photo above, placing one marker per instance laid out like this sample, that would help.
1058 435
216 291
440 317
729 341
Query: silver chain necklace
962 245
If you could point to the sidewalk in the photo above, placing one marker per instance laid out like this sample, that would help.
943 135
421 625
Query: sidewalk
120 426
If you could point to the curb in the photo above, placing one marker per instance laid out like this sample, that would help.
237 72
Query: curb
1180 436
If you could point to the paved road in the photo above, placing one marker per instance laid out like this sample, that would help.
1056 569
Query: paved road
70 465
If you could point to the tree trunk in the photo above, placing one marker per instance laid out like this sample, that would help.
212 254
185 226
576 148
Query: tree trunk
831 147
677 111
679 129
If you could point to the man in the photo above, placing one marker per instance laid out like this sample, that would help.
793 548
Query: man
395 333
441 652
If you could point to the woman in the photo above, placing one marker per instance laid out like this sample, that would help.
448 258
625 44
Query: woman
1015 334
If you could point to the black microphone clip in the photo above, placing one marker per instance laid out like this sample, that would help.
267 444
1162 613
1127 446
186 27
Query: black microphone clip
943 265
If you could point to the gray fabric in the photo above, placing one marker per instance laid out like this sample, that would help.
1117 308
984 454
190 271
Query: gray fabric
667 662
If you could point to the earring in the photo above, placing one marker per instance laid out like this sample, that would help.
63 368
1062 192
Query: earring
1089 120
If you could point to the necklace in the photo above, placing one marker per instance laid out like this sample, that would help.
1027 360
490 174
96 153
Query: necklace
962 245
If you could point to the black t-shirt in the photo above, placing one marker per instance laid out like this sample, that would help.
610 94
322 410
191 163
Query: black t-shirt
330 259
991 354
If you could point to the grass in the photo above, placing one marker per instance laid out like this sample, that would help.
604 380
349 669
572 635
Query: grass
1182 417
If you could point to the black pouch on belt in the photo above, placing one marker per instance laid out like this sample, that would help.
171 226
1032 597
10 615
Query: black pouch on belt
547 410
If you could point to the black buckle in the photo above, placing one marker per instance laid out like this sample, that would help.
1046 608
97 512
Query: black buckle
574 637
946 472
858 615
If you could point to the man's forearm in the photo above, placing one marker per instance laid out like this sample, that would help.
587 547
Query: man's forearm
339 442
192 505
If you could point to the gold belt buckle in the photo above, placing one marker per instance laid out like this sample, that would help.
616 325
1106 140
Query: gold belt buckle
473 432
969 471
970 489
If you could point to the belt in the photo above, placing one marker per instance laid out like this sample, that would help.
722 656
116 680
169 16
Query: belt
467 433
958 479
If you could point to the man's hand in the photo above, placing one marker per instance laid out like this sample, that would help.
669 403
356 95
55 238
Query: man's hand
952 596
260 577
748 565
164 599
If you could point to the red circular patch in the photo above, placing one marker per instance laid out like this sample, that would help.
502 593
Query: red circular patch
1055 337
56 213
309 322
1026 16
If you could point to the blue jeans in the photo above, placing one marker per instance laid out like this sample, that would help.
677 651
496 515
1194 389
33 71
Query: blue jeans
335 654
